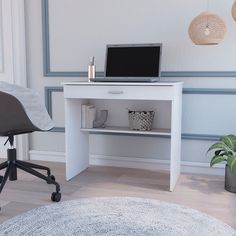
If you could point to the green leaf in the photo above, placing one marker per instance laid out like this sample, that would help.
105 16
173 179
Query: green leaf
226 155
217 159
230 141
232 163
220 145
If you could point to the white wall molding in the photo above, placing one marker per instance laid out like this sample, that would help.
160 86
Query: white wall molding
155 164
46 156
133 162
13 41
19 63
1 39
19 43
14 55
7 41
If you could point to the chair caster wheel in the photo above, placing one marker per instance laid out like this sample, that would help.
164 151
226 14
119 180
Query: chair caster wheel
56 197
52 178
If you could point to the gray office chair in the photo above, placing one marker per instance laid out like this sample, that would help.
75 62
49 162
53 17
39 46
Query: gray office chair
21 111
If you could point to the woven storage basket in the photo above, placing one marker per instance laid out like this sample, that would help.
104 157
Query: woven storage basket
141 120
207 29
234 10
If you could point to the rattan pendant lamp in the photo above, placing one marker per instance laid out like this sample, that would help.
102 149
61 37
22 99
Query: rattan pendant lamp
207 29
234 10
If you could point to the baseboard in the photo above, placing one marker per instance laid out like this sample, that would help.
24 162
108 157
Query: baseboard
154 164
133 162
46 156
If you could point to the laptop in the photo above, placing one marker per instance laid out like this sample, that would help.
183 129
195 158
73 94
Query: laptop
132 63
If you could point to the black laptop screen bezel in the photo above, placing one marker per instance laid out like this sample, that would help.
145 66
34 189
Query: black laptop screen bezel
133 45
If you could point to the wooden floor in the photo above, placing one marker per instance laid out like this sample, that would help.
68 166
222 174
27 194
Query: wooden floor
204 193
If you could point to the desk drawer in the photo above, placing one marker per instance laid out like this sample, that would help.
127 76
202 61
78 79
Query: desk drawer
119 92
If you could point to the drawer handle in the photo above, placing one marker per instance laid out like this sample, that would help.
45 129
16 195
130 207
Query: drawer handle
115 92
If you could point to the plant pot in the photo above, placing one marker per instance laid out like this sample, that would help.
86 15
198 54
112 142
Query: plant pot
230 180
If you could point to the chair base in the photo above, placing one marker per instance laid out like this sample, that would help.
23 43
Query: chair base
11 166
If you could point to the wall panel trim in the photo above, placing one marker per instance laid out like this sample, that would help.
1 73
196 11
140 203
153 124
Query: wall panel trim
47 68
209 91
48 102
186 91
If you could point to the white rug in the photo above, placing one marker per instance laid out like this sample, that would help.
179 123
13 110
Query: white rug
113 217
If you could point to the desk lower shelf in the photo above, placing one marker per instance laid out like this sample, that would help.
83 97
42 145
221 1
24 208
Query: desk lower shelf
126 130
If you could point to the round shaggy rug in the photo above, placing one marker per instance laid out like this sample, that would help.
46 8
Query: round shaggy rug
113 217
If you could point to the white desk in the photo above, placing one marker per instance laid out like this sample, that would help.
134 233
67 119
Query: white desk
77 139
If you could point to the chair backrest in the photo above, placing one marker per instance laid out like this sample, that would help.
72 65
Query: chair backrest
13 119
21 111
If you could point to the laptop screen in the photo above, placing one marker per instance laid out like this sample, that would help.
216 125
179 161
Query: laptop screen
133 60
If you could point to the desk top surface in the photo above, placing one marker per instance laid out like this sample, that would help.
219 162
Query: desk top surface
79 83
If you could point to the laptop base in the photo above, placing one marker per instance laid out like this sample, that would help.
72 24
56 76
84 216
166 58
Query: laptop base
126 79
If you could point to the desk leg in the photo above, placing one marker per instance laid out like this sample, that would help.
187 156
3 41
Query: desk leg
77 142
176 119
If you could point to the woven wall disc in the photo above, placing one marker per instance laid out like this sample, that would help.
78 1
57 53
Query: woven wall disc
234 10
207 29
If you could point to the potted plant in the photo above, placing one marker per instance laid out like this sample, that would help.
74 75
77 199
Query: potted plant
225 151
